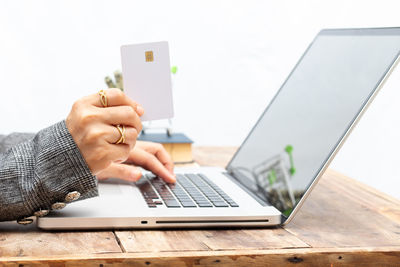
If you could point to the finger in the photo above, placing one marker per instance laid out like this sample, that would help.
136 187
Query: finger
115 97
113 135
148 161
123 115
121 171
161 154
165 159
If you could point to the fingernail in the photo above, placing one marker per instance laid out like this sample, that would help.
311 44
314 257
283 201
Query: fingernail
137 175
140 110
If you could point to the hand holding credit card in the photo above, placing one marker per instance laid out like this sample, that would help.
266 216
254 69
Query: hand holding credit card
147 78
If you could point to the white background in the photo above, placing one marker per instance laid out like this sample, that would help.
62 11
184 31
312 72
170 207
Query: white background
232 57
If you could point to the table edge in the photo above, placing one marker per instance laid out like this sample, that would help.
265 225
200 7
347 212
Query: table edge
286 252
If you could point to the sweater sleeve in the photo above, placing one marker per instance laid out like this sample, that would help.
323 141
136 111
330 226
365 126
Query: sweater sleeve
7 141
38 170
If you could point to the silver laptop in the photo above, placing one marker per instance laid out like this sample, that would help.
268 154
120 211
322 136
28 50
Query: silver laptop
280 161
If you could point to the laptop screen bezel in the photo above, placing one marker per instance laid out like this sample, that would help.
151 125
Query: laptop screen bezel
347 131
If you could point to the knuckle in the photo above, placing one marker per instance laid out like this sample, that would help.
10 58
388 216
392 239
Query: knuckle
80 103
159 146
139 127
130 112
132 116
76 105
87 116
117 93
134 133
76 109
133 144
133 138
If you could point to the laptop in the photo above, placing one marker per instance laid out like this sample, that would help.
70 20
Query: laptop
280 161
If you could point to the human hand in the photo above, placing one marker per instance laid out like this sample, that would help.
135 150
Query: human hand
93 129
149 155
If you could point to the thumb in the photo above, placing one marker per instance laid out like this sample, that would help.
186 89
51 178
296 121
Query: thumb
120 171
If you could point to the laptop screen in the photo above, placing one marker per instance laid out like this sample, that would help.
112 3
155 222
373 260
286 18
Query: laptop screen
312 111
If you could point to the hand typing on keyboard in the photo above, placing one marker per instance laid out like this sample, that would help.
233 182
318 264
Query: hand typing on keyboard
148 155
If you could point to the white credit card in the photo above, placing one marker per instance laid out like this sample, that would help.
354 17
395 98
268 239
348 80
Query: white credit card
147 78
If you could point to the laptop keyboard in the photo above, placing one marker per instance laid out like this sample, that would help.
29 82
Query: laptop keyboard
189 191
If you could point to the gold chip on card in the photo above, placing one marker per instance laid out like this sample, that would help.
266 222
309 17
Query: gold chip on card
149 56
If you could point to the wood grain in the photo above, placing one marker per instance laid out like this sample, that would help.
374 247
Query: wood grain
352 256
18 240
197 240
245 239
339 214
342 223
213 155
160 241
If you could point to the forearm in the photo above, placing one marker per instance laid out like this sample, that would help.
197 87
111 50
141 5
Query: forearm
36 173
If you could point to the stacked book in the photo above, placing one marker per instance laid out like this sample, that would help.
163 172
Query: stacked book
178 145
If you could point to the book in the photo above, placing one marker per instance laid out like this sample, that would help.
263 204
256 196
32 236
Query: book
178 145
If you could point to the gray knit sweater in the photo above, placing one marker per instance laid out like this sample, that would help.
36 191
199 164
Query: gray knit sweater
37 170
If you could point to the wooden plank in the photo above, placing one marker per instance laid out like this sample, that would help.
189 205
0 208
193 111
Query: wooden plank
345 222
339 213
157 241
18 240
213 155
353 256
368 196
195 240
245 239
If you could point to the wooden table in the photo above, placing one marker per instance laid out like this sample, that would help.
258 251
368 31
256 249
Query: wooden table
343 223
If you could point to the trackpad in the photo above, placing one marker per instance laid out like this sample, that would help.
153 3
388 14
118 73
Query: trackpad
112 186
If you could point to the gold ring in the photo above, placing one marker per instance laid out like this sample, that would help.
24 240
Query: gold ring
121 130
103 98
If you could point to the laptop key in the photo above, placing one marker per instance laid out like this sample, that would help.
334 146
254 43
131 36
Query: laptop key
188 204
208 191
218 190
182 196
148 192
190 191
205 205
172 204
220 204
165 193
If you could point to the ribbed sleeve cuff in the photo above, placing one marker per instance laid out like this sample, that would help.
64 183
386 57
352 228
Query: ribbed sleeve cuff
59 168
